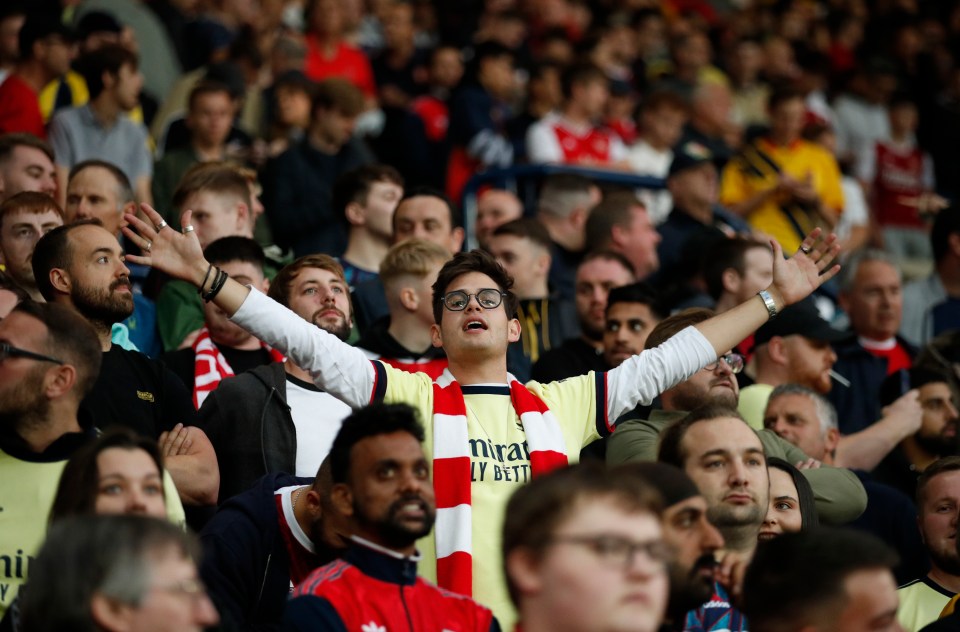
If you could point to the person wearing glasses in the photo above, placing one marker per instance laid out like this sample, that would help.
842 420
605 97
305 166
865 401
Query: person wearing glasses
49 360
487 433
838 493
584 550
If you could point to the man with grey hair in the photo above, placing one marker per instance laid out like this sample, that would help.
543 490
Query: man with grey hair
808 420
870 294
563 208
115 573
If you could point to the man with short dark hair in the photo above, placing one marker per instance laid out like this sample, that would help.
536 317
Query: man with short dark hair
100 129
24 219
522 247
632 313
472 308
298 184
210 113
81 266
45 53
100 190
821 580
222 349
381 480
273 418
580 546
367 198
598 274
726 460
26 164
621 223
929 304
495 207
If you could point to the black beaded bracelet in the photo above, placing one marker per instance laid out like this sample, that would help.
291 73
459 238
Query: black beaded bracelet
218 283
204 282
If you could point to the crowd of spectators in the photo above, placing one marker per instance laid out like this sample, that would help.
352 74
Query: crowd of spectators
343 286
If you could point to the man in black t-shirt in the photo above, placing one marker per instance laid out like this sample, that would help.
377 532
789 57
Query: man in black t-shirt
81 266
222 349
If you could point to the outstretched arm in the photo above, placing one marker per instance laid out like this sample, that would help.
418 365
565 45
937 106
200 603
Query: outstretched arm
793 280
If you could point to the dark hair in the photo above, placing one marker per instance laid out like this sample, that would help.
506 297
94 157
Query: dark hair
675 323
235 248
537 509
580 74
473 261
640 292
665 99
526 228
87 555
425 191
124 188
70 338
670 451
338 95
205 87
615 210
354 186
722 255
938 467
109 58
38 26
781 95
79 481
54 250
29 202
370 421
899 382
809 518
9 142
946 223
282 283
797 579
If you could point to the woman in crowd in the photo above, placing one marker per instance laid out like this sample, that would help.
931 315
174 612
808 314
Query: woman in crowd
792 507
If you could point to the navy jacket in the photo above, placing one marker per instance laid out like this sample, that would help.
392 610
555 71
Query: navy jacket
245 564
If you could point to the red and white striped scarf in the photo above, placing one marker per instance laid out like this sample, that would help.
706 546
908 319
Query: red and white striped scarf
210 367
451 470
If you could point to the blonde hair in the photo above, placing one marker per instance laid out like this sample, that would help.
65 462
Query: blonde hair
412 257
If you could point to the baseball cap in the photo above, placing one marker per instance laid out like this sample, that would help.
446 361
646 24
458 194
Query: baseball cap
688 155
803 319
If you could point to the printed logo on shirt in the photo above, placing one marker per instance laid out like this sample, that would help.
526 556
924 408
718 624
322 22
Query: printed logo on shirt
373 627
510 461
146 396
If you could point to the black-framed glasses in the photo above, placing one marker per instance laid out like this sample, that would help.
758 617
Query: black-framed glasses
735 361
487 298
7 350
614 550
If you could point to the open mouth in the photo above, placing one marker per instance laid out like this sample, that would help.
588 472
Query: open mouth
475 325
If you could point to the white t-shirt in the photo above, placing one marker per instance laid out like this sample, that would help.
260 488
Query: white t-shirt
317 416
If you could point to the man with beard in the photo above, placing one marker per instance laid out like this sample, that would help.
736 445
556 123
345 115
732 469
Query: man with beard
273 418
265 540
49 360
726 460
81 266
936 435
839 494
938 499
597 275
381 479
693 540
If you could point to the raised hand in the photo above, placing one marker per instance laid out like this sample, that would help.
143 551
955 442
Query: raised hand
179 255
810 267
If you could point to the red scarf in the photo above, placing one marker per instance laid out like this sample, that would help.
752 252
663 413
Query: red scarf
451 470
210 367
